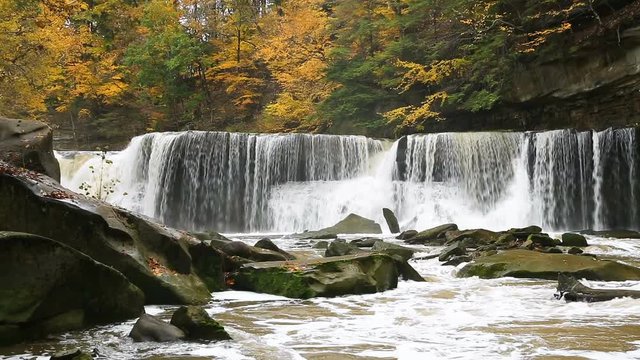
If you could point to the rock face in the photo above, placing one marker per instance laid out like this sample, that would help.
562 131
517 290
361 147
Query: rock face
28 144
391 220
197 324
48 287
326 277
154 258
352 224
150 328
533 264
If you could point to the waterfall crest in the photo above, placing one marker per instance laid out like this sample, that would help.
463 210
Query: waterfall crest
234 182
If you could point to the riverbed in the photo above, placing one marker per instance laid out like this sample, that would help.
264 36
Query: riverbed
444 318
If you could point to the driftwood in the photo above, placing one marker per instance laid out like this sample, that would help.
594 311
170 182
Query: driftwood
572 290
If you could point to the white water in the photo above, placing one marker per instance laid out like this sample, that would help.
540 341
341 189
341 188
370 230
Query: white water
286 183
444 318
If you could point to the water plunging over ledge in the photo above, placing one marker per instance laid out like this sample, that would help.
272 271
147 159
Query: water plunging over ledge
232 182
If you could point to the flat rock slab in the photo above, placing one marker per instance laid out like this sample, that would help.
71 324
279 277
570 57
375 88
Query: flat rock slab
533 264
352 224
326 277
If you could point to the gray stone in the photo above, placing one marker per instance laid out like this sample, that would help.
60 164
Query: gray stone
391 220
150 328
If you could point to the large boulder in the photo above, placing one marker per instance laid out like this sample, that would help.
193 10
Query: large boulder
392 249
150 328
341 248
267 244
153 257
571 239
197 324
534 264
391 220
240 249
472 237
325 277
433 236
28 144
352 224
48 287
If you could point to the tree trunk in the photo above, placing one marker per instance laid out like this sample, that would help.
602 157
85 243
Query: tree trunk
572 290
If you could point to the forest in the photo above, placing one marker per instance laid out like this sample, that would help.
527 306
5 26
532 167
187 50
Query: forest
354 66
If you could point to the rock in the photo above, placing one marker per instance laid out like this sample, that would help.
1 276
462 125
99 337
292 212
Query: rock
197 324
406 235
529 245
618 234
457 260
267 244
48 287
407 272
341 248
553 250
542 240
571 239
325 277
391 220
73 354
523 233
352 224
28 144
209 264
433 236
534 264
574 251
238 248
208 236
365 242
150 328
392 249
321 245
472 238
451 251
153 257
572 290
506 240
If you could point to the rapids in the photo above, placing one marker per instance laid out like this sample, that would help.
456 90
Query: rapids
443 318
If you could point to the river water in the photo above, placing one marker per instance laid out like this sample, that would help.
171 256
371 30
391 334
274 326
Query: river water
443 318
248 184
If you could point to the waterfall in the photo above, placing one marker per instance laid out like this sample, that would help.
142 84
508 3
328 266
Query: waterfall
234 182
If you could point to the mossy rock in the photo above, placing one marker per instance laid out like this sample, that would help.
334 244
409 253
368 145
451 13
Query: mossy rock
534 264
48 287
326 277
571 239
433 236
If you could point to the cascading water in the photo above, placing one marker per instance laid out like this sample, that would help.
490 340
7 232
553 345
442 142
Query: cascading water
560 179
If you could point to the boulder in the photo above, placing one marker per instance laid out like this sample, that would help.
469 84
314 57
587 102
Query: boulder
391 220
472 238
153 257
392 249
48 287
575 251
452 250
534 264
210 264
365 242
325 277
457 260
433 236
321 245
150 328
574 240
28 144
238 248
197 324
407 234
572 290
352 224
523 233
341 248
406 271
542 240
267 244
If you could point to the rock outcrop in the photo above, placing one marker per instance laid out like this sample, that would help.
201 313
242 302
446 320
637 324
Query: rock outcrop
153 257
197 324
48 287
28 144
